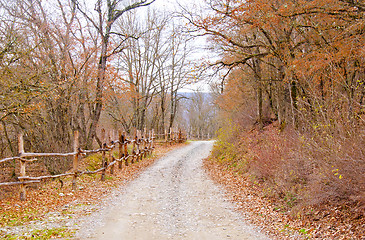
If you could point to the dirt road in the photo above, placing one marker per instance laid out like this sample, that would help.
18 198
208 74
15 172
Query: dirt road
173 199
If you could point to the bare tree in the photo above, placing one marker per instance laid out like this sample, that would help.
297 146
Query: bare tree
52 64
201 115
108 12
180 69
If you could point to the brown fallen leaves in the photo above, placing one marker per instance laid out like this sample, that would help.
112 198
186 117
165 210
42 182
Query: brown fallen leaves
324 222
50 196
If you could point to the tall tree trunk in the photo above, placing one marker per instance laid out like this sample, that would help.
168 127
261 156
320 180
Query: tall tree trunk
95 116
259 104
173 106
280 98
294 102
163 114
256 66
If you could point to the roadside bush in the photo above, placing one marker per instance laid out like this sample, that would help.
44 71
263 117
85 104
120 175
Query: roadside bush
225 150
298 170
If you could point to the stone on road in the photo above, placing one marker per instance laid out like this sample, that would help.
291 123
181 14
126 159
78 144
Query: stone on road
173 199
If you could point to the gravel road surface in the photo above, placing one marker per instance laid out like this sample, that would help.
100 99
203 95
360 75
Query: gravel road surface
173 199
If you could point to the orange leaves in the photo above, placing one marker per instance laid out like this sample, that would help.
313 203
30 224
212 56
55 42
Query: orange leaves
50 197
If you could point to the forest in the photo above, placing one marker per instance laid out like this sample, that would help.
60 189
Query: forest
70 65
291 98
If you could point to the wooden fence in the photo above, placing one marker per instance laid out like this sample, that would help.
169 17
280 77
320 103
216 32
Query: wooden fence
142 144
173 135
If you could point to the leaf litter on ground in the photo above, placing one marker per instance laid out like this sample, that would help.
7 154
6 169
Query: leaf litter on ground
48 206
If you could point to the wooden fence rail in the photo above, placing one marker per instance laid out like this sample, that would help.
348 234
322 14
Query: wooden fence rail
142 145
172 135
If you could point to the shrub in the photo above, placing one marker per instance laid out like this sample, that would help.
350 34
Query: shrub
299 169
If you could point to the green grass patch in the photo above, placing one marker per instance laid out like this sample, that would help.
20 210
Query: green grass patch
15 218
93 162
43 234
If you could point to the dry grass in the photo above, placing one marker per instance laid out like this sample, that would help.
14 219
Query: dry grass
311 177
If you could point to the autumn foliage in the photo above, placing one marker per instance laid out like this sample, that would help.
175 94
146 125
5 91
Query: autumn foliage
294 95
67 66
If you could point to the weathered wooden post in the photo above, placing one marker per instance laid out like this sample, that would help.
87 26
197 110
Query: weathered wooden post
134 146
125 146
148 147
141 149
171 135
22 167
141 143
166 135
138 137
75 160
145 142
152 140
110 136
175 133
120 148
103 160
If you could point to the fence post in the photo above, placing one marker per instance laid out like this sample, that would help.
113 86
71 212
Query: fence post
166 135
171 136
125 146
110 137
120 148
75 160
103 161
141 143
152 140
145 142
22 166
134 145
138 137
148 146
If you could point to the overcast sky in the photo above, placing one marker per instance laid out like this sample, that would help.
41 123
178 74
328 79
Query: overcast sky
200 43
